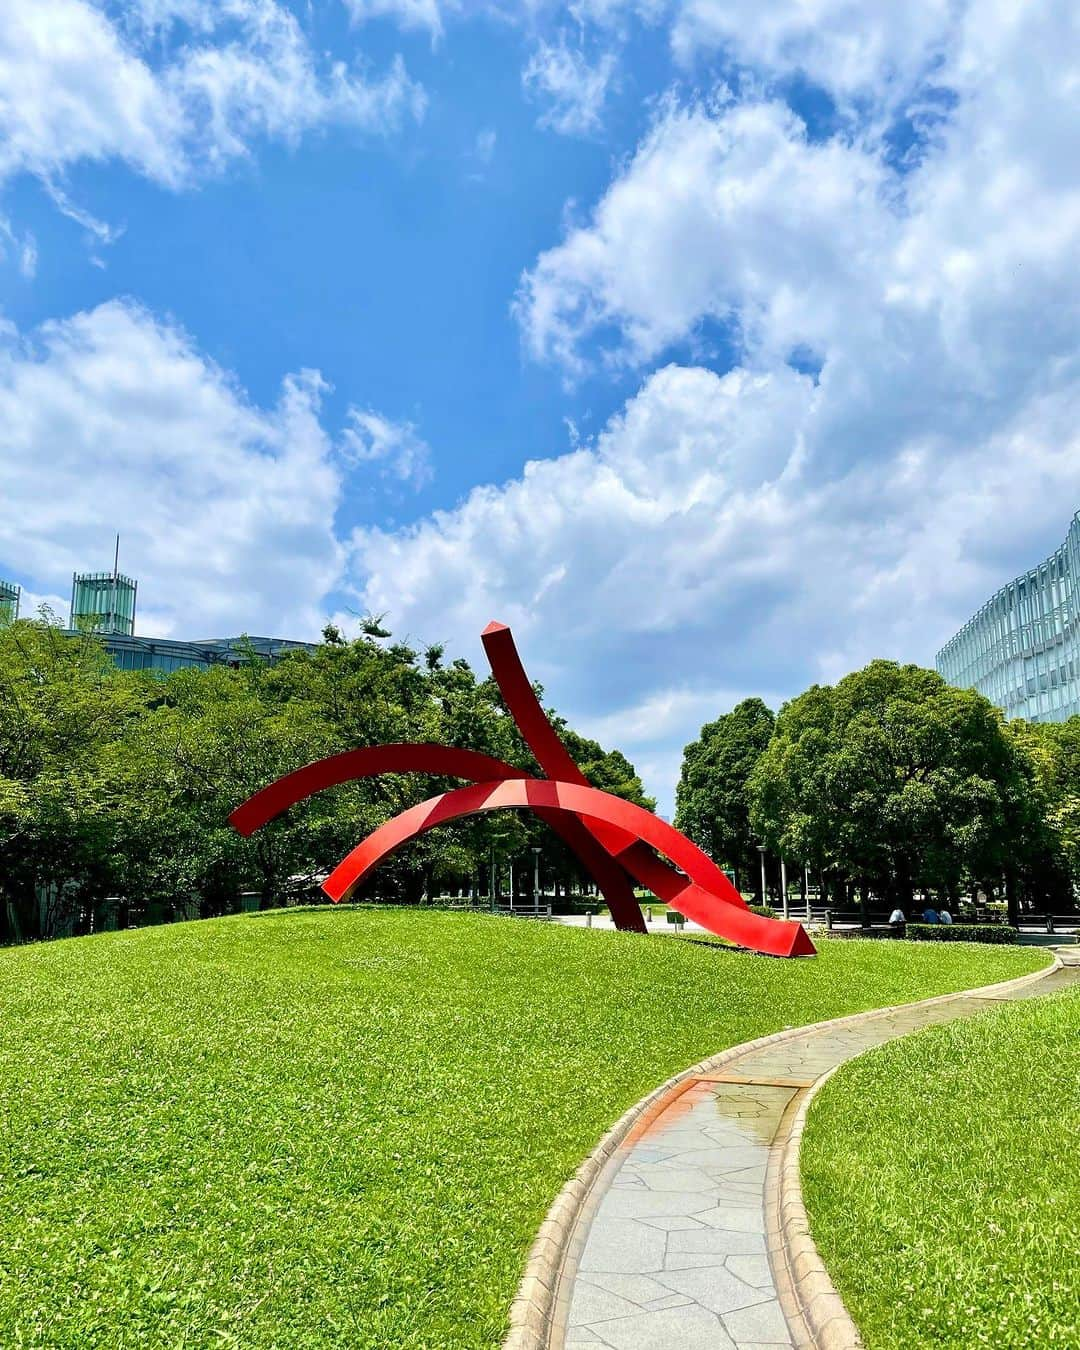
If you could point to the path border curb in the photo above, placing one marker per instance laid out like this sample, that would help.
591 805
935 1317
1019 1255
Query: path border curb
538 1293
804 1284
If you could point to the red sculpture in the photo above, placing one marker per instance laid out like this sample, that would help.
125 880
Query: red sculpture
611 837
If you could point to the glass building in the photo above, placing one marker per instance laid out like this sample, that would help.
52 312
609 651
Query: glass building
1022 649
103 602
9 602
169 654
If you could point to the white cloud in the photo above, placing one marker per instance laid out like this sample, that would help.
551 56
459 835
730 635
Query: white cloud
396 447
753 531
71 88
422 14
20 247
572 89
113 421
76 86
847 46
722 214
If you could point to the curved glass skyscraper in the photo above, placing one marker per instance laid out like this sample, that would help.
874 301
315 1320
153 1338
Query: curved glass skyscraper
1022 649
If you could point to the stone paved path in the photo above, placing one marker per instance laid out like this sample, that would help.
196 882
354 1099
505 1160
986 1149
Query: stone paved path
675 1250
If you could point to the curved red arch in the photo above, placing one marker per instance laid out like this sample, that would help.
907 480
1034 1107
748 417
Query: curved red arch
772 936
557 762
368 762
443 761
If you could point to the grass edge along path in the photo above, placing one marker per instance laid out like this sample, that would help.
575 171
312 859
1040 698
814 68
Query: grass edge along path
344 1128
940 1176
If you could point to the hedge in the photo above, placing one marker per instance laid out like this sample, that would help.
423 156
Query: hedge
961 932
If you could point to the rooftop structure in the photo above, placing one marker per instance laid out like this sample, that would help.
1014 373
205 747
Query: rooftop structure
103 602
1022 648
169 654
9 601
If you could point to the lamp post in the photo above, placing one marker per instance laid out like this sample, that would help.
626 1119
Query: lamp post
783 885
511 885
536 879
761 851
806 889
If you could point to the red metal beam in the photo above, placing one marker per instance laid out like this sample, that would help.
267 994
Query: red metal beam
774 937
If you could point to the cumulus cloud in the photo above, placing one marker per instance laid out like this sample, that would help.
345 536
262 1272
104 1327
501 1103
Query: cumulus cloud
571 88
112 420
731 214
174 88
395 447
898 436
847 47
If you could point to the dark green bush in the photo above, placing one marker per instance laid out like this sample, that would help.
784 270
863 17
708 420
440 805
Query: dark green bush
766 911
961 932
569 905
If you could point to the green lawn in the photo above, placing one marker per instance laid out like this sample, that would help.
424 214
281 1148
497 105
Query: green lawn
942 1177
304 1129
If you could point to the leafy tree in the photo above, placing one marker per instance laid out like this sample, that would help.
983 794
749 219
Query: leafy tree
62 703
118 784
1050 869
893 781
712 806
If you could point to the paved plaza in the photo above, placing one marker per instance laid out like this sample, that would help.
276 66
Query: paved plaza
678 1247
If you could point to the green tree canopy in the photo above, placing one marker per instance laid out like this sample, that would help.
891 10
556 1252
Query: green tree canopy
712 805
121 784
894 780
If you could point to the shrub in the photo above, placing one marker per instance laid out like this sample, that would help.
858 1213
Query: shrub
569 905
766 911
961 932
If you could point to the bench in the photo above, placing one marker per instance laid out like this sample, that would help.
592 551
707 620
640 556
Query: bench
1050 922
855 916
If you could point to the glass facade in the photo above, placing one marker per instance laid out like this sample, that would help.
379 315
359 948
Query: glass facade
1022 649
9 602
103 602
168 654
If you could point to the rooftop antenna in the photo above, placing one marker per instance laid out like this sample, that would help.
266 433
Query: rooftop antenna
115 583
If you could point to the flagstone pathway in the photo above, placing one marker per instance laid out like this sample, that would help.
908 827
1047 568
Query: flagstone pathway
672 1250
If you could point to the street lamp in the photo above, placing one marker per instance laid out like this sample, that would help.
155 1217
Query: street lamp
761 851
491 878
536 878
783 884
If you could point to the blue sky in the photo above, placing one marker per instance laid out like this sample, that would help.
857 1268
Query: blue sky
717 346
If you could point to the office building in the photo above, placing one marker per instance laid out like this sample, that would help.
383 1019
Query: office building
9 601
1022 648
104 603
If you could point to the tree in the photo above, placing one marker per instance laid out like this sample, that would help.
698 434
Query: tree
116 784
712 806
211 741
893 781
62 704
1049 871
